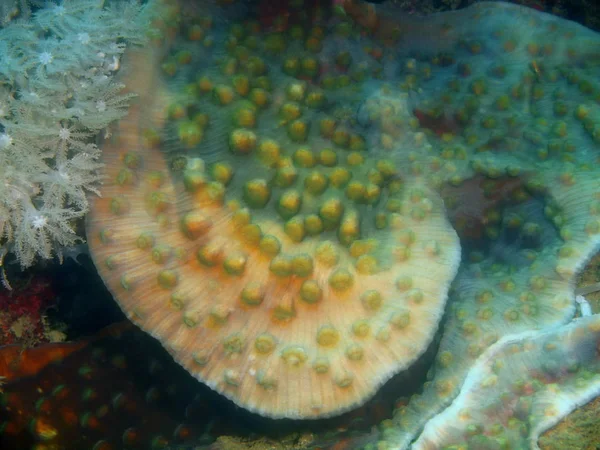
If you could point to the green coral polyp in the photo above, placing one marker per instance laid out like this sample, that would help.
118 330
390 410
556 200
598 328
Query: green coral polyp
289 204
296 91
119 205
341 280
145 241
332 210
257 193
315 183
194 180
259 97
269 152
161 253
290 111
294 356
291 66
235 264
265 344
349 230
125 177
294 229
222 172
304 158
209 255
315 100
285 177
245 117
190 133
339 177
252 294
328 158
313 225
167 279
270 245
281 266
242 141
356 191
302 265
195 224
223 94
298 130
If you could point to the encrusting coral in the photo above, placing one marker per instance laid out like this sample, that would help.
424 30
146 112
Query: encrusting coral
290 249
276 274
521 111
273 213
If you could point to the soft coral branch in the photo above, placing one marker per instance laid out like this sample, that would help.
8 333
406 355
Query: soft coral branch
57 93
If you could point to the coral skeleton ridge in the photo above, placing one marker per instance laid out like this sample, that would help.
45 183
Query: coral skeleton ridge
531 380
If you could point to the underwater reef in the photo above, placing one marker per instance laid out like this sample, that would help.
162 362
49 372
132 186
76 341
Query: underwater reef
300 205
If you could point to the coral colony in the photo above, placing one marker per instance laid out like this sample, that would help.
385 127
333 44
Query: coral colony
295 206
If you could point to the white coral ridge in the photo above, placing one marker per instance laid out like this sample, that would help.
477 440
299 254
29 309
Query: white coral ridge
534 378
584 306
48 159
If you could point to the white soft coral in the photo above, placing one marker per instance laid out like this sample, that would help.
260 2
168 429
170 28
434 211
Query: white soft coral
57 93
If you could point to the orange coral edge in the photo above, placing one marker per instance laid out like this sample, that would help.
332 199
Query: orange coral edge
16 362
